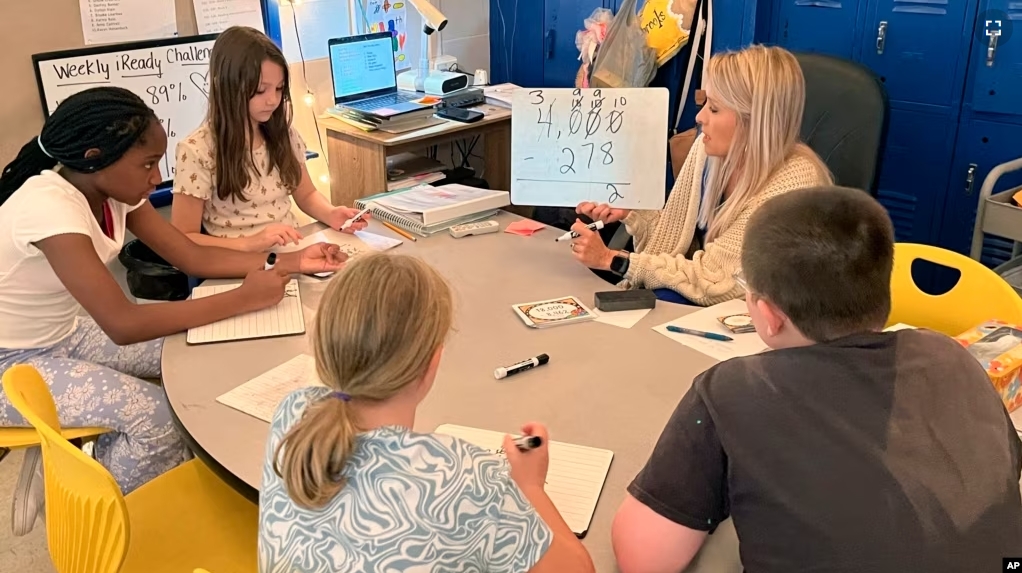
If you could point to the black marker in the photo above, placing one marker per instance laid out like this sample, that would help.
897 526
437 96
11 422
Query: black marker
270 262
505 371
526 443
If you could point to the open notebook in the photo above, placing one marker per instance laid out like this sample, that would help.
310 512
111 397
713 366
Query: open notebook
284 319
260 396
574 479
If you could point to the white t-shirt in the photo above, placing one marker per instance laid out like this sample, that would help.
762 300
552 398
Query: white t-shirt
36 310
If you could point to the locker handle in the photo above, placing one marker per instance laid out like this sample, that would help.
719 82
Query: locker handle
970 179
881 36
991 46
551 36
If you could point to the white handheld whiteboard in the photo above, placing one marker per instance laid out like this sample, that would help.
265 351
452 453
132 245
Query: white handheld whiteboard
602 145
171 77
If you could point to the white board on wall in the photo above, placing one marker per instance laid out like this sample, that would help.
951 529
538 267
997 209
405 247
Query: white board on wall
602 145
171 77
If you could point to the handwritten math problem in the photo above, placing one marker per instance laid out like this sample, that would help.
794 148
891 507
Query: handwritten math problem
603 145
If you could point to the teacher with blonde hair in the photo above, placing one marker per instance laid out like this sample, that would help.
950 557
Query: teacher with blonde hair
747 153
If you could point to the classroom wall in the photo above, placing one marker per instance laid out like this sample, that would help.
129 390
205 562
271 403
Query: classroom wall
467 35
28 28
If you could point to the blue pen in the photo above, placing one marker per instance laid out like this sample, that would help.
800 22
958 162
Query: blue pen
710 335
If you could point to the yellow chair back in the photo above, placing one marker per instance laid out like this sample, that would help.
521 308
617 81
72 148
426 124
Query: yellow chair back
87 525
979 295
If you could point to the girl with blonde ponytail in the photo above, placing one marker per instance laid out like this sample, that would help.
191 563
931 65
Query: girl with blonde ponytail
748 152
348 486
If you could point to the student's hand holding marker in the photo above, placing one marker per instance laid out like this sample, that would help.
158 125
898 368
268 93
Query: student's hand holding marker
529 468
275 235
601 212
348 220
264 288
588 247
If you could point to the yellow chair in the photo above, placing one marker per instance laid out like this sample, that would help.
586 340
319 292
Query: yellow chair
177 521
28 438
979 295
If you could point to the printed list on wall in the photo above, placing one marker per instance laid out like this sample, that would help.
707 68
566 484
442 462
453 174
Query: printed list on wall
111 21
172 79
215 16
601 145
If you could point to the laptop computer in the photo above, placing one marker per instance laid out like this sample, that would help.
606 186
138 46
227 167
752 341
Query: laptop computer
365 79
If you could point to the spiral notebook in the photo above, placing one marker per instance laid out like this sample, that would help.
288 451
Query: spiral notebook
424 209
574 478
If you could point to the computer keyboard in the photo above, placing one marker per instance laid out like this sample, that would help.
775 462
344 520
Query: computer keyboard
381 101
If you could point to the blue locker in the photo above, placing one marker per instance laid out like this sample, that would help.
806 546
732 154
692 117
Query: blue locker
820 26
917 47
996 58
914 170
516 42
562 20
981 146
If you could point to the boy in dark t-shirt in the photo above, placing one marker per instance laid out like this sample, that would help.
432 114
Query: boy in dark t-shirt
843 449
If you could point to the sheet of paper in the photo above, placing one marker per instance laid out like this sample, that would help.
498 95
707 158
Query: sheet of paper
115 21
284 319
524 227
215 16
260 396
706 321
623 318
384 16
574 479
351 245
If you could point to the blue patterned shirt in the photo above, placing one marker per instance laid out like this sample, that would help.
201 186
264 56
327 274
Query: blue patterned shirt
413 502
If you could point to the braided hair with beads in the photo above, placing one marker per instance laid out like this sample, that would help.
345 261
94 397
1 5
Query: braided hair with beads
108 119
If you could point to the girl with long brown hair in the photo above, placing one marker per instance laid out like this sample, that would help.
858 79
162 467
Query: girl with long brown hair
349 486
238 171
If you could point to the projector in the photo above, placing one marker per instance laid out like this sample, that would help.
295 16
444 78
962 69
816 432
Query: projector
436 83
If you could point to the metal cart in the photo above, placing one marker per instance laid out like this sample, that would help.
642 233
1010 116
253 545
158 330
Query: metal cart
996 214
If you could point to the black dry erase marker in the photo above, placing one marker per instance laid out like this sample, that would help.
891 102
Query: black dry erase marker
526 443
505 371
270 262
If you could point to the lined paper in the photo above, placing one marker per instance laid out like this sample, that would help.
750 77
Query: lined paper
260 396
574 479
284 319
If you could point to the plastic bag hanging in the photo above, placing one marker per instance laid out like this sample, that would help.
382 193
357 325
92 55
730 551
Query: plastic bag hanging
625 60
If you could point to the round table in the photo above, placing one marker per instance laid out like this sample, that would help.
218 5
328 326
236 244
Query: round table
605 386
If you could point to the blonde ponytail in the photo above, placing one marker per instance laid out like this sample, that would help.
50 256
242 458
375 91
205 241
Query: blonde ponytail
379 325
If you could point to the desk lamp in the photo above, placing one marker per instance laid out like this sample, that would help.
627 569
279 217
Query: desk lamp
423 79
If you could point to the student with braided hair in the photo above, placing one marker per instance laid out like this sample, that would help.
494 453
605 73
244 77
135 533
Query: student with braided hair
66 202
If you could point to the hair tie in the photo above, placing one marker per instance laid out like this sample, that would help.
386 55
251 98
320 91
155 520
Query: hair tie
341 396
39 142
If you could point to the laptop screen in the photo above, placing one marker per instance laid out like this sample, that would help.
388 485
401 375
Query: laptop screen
362 67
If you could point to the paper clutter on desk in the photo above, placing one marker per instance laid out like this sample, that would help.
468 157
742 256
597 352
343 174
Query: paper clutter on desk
707 320
525 227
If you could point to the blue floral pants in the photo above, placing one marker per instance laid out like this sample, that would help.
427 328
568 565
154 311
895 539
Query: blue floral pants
96 383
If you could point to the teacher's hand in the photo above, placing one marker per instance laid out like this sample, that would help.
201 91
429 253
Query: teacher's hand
602 212
589 249
321 258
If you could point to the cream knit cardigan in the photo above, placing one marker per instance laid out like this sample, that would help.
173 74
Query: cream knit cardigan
662 238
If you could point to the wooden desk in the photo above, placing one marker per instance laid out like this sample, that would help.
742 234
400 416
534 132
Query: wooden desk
358 159
605 387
